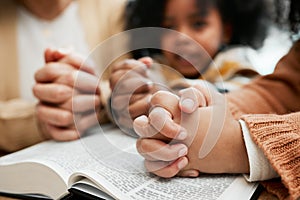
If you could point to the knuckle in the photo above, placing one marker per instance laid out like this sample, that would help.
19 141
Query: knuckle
117 78
171 130
128 63
71 77
66 118
143 146
156 97
138 145
50 68
167 172
55 135
35 90
154 120
171 172
60 93
169 155
39 113
159 96
69 104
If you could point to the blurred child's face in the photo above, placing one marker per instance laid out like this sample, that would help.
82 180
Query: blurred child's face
206 29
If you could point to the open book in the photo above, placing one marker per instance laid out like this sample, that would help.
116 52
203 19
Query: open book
105 164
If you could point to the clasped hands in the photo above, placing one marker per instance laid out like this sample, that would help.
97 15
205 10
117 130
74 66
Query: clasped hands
190 133
179 135
69 96
182 134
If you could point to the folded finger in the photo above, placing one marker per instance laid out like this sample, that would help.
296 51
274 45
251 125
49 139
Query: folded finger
80 80
132 85
168 101
139 107
166 169
190 99
212 96
62 134
51 71
120 102
189 173
162 121
86 121
120 76
54 115
132 65
159 150
79 62
52 93
143 128
137 97
81 103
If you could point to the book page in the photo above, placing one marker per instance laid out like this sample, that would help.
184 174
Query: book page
146 186
64 158
119 171
109 159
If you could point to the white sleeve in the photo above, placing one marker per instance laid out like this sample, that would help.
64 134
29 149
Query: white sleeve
260 168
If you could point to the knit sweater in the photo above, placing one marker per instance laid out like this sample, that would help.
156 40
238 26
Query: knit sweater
279 138
228 71
277 132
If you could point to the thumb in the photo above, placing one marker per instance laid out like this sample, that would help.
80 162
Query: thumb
191 99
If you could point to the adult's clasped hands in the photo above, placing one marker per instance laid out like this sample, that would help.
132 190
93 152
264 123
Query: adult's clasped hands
69 96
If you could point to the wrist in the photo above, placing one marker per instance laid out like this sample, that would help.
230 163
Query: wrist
240 155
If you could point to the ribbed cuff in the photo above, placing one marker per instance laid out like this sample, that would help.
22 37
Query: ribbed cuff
260 168
278 136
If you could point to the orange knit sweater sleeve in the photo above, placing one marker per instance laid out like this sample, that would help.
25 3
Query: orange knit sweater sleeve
270 106
279 138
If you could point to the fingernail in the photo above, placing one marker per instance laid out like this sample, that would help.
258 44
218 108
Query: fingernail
182 163
150 84
188 104
182 135
182 152
142 118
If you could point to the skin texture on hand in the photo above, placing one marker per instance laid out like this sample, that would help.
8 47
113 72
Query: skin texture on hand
69 96
204 138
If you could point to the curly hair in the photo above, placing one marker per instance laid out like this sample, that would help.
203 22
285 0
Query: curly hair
248 18
288 13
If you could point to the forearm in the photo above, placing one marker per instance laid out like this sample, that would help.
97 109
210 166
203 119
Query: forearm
18 127
277 93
